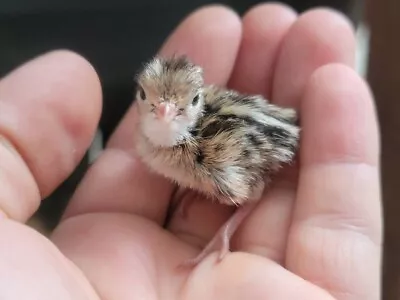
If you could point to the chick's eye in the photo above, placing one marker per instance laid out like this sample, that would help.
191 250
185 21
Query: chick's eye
142 94
195 100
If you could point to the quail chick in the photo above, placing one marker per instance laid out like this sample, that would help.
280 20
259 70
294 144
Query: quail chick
218 142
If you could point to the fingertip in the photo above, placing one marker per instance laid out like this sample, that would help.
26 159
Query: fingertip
324 13
264 27
339 118
210 36
333 24
269 10
319 36
68 56
80 117
219 15
213 19
79 114
51 106
213 10
342 80
339 74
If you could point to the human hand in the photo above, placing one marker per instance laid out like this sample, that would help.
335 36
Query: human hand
316 235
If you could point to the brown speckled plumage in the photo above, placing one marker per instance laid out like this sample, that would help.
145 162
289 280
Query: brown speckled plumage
234 145
219 142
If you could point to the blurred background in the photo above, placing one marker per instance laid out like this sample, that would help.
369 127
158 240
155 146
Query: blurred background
111 35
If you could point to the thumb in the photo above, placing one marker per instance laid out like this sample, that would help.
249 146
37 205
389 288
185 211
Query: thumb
49 109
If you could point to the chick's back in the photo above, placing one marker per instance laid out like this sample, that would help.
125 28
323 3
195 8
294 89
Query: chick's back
240 141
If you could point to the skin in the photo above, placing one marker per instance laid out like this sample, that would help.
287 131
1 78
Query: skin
318 229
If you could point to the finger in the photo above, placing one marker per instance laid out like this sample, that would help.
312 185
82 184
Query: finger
192 228
120 182
264 28
305 47
319 37
49 109
33 268
240 276
335 237
265 231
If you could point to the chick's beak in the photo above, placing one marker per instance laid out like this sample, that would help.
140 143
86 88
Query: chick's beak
165 111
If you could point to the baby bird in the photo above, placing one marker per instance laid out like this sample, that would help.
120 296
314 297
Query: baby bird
216 141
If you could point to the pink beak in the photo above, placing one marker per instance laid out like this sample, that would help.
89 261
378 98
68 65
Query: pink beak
165 111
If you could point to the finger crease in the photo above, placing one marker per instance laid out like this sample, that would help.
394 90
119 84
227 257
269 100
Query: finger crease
360 230
265 251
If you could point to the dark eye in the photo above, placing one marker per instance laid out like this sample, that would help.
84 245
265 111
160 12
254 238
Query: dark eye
195 100
142 94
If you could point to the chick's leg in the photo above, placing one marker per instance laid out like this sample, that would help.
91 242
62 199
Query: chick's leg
221 240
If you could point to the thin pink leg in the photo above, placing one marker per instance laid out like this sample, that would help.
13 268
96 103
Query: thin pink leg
223 236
